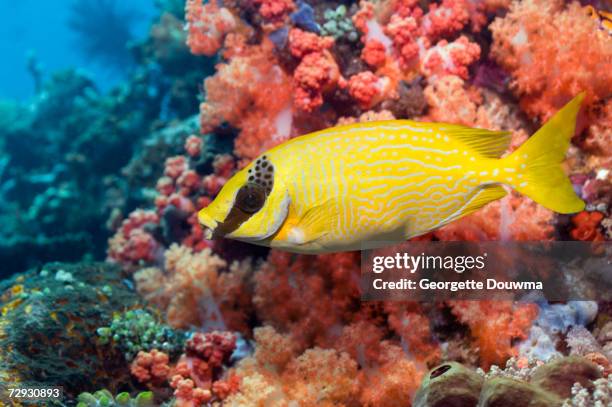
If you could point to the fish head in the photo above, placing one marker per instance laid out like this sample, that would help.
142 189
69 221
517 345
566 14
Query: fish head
251 206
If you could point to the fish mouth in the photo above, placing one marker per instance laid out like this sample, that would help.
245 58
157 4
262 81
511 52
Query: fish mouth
208 224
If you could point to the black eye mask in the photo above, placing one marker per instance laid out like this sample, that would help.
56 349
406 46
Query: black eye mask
250 198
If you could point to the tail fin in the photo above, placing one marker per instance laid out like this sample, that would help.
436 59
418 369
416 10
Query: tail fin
539 161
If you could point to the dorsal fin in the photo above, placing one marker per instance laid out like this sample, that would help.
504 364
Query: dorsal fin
487 143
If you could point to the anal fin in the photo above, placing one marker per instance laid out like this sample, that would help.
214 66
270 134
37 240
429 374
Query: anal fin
483 196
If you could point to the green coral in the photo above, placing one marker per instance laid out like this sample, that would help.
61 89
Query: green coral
138 330
338 24
104 398
48 323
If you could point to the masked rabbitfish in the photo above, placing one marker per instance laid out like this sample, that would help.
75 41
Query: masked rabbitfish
369 184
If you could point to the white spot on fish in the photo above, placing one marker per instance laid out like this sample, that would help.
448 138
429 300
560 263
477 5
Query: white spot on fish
472 159
495 172
296 236
523 184
509 179
438 136
445 138
484 173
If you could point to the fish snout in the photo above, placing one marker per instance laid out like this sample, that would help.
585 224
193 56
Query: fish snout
208 223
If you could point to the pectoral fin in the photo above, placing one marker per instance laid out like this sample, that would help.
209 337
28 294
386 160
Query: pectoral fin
314 224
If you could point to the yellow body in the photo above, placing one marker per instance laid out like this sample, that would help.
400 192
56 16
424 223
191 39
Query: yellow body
368 184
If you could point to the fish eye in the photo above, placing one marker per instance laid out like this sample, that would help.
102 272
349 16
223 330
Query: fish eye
250 198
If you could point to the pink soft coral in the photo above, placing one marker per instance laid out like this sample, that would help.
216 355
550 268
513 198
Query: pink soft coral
450 58
547 74
368 89
196 375
495 326
207 25
198 289
132 244
151 368
251 93
445 19
317 71
299 285
275 12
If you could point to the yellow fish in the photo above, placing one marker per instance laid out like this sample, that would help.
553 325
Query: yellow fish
369 184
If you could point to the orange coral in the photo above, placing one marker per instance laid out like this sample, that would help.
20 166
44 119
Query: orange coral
195 376
495 326
374 53
394 383
275 11
251 93
317 72
198 289
151 367
207 25
445 19
132 244
450 58
548 73
368 89
306 312
408 321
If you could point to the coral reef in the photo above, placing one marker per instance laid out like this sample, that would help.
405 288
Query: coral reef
174 319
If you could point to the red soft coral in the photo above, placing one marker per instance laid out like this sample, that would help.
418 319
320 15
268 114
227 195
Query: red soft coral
547 74
196 377
132 244
586 226
445 19
495 326
275 12
207 25
405 33
374 53
317 72
151 367
368 89
450 58
251 93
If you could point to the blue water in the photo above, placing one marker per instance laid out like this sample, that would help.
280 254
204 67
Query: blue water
41 28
